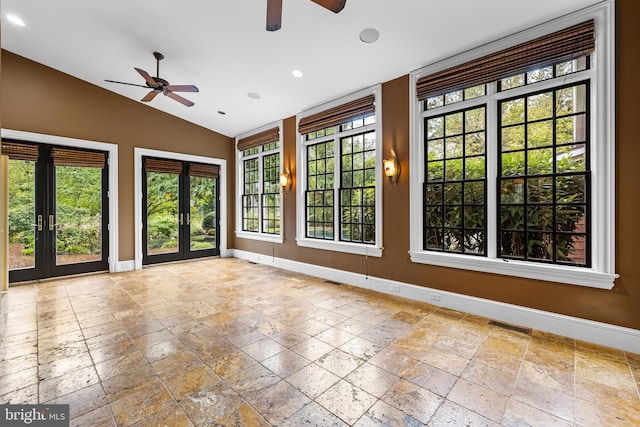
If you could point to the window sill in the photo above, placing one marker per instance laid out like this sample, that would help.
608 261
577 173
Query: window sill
263 237
552 273
350 248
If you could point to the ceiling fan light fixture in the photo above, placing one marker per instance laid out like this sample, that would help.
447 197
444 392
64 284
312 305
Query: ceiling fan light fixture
369 35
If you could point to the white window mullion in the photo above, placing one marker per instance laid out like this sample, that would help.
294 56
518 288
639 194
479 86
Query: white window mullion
337 168
492 153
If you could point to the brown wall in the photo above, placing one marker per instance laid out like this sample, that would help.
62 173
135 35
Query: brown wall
619 306
35 98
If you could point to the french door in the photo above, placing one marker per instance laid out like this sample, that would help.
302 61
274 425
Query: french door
180 210
58 210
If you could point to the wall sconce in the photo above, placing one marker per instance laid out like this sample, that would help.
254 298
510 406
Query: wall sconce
392 168
285 180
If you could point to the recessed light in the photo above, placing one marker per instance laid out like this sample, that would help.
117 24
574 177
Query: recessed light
297 73
15 20
253 95
222 113
369 35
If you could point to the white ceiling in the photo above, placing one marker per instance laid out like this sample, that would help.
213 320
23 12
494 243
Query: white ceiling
223 48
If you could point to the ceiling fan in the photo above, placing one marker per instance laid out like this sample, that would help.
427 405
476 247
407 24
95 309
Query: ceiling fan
158 85
274 11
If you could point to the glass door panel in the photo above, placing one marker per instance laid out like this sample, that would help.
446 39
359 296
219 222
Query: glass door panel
202 213
22 214
163 213
78 216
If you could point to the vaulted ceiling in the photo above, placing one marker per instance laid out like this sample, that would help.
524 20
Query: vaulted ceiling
245 71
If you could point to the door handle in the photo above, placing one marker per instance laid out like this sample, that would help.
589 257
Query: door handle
181 219
39 224
51 224
188 218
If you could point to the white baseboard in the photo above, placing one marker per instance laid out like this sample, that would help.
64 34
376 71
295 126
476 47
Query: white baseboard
626 339
122 266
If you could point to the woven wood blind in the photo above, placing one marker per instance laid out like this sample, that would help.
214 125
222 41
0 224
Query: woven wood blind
78 158
563 45
162 166
338 115
259 139
204 171
18 151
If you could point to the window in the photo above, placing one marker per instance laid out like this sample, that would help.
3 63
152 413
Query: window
339 193
259 207
505 142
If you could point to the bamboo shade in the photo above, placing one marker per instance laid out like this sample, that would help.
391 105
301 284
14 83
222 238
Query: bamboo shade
338 115
163 166
204 171
18 151
259 139
79 158
563 45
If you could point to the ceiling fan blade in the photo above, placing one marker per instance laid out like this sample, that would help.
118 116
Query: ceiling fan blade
274 15
124 83
333 5
147 77
148 97
182 88
180 99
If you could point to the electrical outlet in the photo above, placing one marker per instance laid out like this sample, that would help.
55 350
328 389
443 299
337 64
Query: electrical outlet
434 297
395 288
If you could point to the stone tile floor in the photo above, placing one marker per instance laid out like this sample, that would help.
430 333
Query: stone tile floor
223 342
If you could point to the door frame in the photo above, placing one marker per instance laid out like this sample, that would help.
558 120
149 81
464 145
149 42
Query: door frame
138 153
112 150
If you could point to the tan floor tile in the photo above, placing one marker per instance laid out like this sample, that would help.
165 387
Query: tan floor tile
176 364
373 380
347 401
413 400
22 396
339 363
232 363
313 415
83 401
444 360
479 399
130 363
170 416
263 349
431 378
204 332
545 399
393 361
618 413
383 414
312 348
520 415
101 417
163 350
278 402
285 363
313 380
499 380
252 379
451 414
55 387
189 382
141 404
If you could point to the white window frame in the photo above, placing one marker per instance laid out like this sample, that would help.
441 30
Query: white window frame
336 245
258 235
602 145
